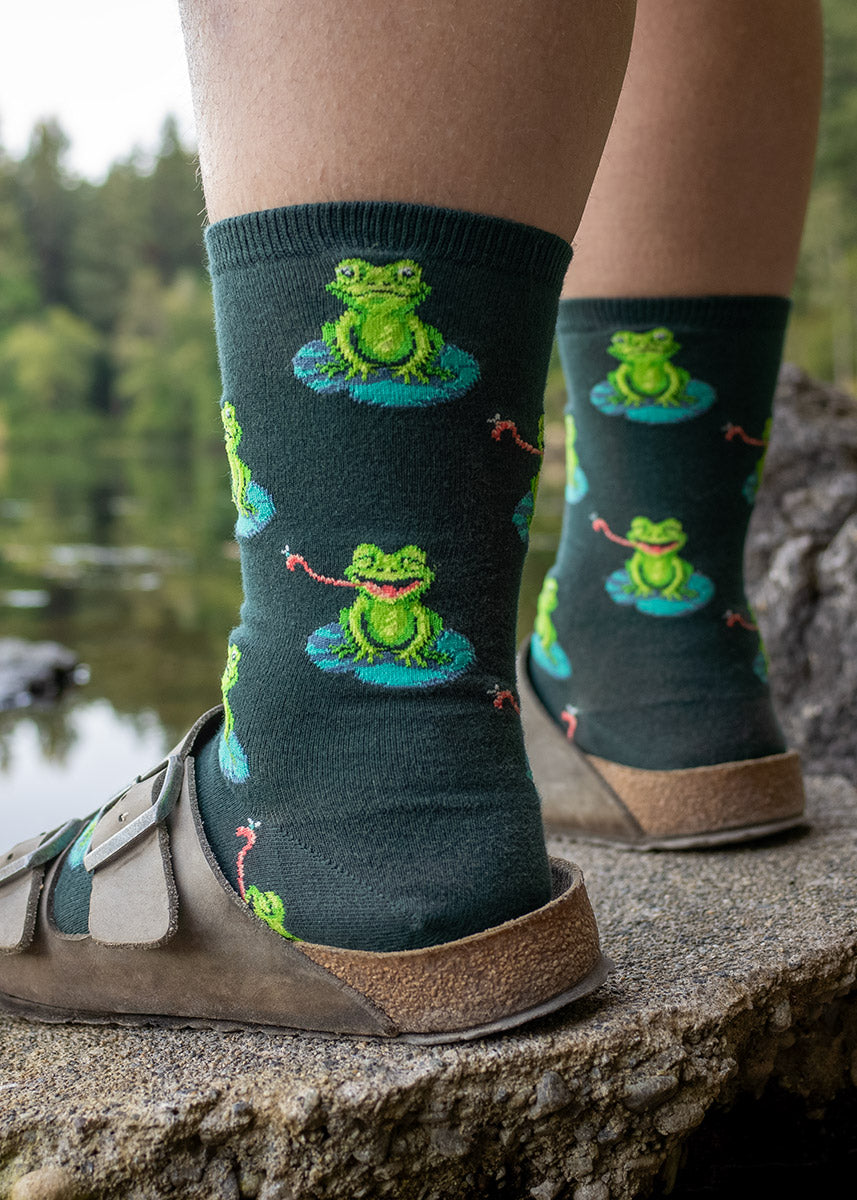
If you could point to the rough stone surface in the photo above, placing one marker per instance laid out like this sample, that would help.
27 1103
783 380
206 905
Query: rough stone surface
35 672
802 569
733 969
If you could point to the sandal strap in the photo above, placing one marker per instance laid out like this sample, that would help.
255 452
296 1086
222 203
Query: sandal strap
104 846
134 901
21 873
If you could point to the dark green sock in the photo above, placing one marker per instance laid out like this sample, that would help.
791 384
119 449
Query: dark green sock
369 787
645 647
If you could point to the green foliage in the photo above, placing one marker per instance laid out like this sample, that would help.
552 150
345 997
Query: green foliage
166 367
47 206
106 327
19 293
823 333
47 366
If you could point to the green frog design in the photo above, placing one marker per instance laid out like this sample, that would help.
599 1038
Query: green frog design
233 760
655 565
388 614
255 506
543 626
545 648
646 375
380 327
239 471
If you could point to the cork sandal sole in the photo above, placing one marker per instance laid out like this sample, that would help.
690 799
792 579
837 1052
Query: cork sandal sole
595 800
172 944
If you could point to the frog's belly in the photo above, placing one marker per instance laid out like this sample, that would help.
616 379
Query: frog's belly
385 340
650 382
390 627
658 573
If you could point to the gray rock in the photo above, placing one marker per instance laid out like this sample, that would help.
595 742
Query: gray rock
802 569
734 969
648 1091
552 1094
35 672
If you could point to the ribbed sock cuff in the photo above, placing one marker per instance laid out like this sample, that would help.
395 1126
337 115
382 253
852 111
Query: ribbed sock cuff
676 312
352 227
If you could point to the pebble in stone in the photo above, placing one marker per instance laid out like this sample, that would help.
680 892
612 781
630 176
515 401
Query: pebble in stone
48 1183
552 1094
679 1117
548 1190
451 1143
219 1124
221 1181
276 1189
649 1091
596 1190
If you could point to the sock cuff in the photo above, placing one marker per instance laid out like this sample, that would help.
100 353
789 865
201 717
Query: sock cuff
352 228
678 312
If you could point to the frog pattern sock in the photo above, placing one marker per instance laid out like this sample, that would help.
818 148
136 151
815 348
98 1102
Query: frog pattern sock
363 789
655 579
648 565
233 760
576 483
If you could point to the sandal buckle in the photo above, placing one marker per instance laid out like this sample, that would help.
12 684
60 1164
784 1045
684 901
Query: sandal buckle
54 843
157 812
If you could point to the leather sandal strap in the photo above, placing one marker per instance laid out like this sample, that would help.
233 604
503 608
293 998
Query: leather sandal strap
105 844
134 901
21 873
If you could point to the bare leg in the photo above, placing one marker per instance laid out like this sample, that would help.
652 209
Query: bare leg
457 103
703 185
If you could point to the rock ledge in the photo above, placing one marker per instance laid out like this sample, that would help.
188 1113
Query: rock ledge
734 968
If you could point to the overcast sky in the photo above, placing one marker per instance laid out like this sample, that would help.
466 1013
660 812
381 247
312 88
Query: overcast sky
109 70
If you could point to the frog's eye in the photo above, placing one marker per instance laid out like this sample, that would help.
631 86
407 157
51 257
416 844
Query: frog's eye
348 272
660 335
406 272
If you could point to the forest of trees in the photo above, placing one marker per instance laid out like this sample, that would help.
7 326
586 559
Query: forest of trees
105 309
105 313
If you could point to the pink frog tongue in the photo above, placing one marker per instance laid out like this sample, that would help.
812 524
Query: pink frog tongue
389 591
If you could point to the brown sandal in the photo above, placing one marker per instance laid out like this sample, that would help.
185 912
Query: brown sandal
600 801
171 943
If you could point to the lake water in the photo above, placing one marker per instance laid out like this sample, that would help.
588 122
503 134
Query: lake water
129 560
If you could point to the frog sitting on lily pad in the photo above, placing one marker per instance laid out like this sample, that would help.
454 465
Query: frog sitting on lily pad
379 351
647 386
387 636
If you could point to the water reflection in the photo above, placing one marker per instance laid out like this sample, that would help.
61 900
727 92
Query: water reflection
128 559
67 762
